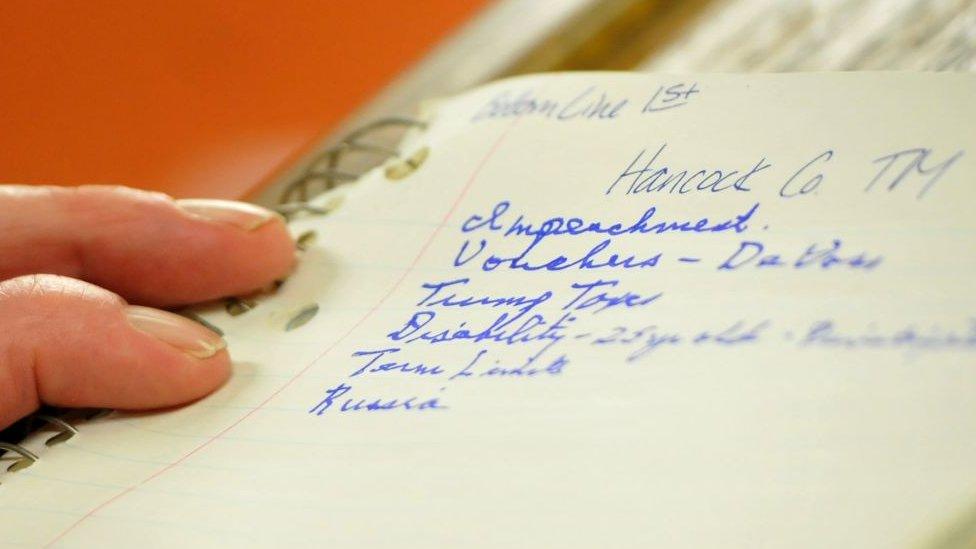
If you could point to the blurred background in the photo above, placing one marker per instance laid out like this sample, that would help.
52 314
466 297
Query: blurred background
235 99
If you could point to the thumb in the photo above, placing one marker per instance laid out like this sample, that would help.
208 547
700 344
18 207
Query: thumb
68 343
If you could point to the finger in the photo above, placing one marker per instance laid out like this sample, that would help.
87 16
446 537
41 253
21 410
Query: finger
144 246
68 343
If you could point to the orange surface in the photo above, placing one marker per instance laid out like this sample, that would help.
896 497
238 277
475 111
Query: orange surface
193 97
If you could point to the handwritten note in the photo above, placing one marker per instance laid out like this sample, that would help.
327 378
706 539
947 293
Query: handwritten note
607 310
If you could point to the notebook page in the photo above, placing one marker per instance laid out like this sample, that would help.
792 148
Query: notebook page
620 310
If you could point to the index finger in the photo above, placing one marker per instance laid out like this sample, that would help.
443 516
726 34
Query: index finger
145 246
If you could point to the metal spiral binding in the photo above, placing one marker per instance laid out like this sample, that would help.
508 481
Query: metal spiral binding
322 174
26 460
324 170
61 420
325 173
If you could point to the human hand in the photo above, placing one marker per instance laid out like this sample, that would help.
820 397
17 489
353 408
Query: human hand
67 340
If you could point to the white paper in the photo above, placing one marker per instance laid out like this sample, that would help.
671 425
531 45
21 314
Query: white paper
818 391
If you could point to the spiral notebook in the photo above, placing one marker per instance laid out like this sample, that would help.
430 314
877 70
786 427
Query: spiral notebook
581 310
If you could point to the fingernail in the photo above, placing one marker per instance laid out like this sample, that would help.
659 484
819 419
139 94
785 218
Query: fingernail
239 214
182 333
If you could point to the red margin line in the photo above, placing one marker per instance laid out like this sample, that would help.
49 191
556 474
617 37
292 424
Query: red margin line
396 285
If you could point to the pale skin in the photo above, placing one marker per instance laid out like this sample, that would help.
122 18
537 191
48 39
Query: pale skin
85 274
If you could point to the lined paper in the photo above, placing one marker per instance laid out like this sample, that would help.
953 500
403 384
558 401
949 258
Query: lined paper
608 309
